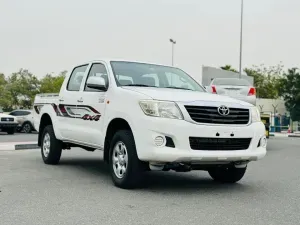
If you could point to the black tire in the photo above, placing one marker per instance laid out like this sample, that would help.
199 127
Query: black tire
10 131
55 148
132 178
229 174
26 127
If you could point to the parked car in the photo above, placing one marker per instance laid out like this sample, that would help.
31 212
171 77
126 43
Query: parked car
25 120
148 117
233 87
8 123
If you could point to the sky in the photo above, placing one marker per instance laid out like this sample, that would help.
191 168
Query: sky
55 35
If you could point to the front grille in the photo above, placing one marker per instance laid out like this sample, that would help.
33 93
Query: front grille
208 114
5 119
219 144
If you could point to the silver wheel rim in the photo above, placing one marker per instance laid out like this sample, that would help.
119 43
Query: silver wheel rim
120 159
46 145
26 128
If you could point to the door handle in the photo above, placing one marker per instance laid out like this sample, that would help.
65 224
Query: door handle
61 100
80 100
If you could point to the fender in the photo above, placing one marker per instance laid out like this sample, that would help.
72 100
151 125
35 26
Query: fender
120 115
51 111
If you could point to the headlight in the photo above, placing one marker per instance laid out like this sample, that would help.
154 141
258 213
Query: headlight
255 115
163 109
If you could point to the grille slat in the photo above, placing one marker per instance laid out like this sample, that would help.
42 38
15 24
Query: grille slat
219 144
6 119
210 115
215 115
223 121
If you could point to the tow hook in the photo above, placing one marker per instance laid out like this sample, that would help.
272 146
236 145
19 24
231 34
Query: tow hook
178 167
183 168
156 166
240 164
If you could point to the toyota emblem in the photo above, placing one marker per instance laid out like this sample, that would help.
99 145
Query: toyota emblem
223 110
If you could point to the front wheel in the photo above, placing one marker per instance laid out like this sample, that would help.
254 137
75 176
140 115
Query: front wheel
51 147
11 131
27 128
125 167
227 174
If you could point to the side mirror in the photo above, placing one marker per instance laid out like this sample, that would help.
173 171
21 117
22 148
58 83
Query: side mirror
96 83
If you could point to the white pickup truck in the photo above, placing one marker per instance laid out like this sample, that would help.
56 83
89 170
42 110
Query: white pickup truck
148 117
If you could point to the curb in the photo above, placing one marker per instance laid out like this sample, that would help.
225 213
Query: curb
285 135
26 146
11 146
294 135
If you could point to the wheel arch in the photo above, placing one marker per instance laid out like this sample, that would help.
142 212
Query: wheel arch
113 126
29 122
45 121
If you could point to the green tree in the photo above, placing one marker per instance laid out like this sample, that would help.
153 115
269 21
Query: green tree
266 80
290 91
228 68
2 80
52 84
22 86
5 97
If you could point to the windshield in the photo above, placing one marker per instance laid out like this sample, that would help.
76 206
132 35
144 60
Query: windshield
150 75
231 81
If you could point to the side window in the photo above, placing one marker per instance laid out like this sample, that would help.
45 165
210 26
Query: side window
25 113
76 78
97 70
14 113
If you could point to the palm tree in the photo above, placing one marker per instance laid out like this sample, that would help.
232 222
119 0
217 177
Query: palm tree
228 68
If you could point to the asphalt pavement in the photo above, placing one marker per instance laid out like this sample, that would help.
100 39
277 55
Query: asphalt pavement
79 191
17 137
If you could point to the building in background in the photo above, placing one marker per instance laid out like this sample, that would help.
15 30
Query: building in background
209 73
275 108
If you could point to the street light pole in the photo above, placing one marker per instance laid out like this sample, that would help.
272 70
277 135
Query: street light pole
241 37
173 43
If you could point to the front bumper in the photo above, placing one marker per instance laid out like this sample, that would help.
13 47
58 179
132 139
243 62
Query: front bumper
180 131
8 125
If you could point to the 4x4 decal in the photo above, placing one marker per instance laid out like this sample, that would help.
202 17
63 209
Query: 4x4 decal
67 111
89 117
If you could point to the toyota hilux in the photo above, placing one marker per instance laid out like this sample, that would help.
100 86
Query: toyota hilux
145 117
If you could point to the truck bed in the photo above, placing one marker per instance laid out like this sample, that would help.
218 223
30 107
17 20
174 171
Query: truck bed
46 98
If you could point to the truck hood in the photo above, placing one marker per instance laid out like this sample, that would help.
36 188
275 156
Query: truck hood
177 95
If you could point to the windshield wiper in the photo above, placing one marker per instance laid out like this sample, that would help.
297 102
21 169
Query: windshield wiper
179 88
139 85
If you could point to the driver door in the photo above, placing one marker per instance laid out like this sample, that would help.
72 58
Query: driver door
92 108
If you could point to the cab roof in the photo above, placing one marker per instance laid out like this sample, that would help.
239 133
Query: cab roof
108 60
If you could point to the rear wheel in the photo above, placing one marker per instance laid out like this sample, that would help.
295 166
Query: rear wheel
125 168
229 174
51 147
